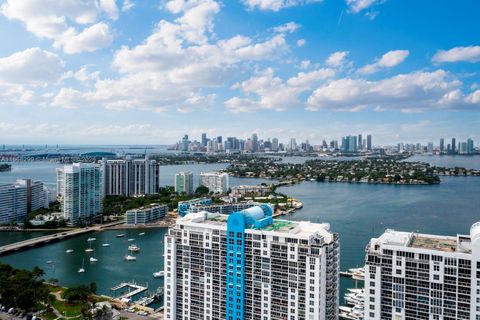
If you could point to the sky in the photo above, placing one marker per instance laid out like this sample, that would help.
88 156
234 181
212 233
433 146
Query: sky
149 71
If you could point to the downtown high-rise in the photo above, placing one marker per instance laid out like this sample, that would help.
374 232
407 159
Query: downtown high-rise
412 276
247 265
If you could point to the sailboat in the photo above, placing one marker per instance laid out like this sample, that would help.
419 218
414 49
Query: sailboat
93 259
89 249
82 269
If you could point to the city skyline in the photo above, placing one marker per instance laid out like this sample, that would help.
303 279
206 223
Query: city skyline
139 72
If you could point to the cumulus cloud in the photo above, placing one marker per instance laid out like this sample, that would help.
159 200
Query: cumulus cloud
301 42
289 27
355 6
58 21
266 91
388 60
468 54
276 5
410 92
178 66
337 59
127 5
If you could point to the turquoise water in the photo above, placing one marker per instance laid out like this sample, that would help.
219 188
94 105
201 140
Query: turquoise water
356 211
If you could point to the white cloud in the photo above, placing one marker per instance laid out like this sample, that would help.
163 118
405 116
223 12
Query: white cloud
305 64
301 42
276 5
127 5
355 6
58 21
177 66
90 39
337 59
388 60
265 91
32 66
417 91
289 27
468 54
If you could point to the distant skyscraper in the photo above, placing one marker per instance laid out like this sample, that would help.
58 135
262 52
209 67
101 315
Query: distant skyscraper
130 177
470 146
442 145
254 142
275 144
81 191
204 139
369 142
184 182
248 266
359 141
185 143
430 147
216 182
454 145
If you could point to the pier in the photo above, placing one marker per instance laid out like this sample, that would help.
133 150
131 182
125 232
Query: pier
26 244
130 285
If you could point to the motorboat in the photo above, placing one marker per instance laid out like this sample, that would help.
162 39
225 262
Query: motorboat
131 239
69 251
105 244
158 274
141 234
133 248
91 239
89 250
129 258
120 235
92 259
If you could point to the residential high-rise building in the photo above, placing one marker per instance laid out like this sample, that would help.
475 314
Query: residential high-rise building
13 203
442 145
470 146
38 195
359 142
275 144
216 182
462 148
81 191
184 182
130 177
430 147
254 142
204 139
422 276
248 266
453 146
369 142
185 143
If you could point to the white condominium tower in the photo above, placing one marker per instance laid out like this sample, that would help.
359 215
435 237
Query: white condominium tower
420 276
248 266
216 182
130 177
183 182
81 191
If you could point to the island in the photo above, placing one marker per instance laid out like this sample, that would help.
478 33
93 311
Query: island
381 170
4 167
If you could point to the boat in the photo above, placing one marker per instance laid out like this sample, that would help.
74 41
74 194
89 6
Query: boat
141 234
105 244
133 248
49 262
129 258
120 235
89 249
91 239
82 269
92 259
69 251
158 274
130 240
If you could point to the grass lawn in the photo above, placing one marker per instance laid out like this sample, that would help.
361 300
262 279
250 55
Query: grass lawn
48 316
67 309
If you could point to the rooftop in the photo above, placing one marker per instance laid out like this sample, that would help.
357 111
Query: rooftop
434 243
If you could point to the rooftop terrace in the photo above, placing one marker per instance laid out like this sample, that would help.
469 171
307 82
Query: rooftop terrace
434 243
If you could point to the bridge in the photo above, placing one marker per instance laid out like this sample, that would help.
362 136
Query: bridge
26 244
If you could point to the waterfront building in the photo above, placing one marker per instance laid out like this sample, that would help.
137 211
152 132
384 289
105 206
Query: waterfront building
442 145
360 142
13 203
223 208
421 276
349 144
216 182
453 145
470 146
462 148
183 182
129 177
81 191
248 266
430 147
252 191
184 206
369 142
204 139
274 144
38 195
147 214
254 143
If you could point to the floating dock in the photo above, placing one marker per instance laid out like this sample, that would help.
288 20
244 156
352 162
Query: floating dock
133 289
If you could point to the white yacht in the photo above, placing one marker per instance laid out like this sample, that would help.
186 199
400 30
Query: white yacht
105 244
131 239
158 274
69 251
141 234
91 239
129 258
133 248
92 259
120 235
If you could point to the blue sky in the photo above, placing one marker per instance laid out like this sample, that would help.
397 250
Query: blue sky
146 72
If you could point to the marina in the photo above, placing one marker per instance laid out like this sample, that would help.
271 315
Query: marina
133 290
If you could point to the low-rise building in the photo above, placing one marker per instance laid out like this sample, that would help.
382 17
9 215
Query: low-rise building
184 206
147 214
252 191
216 182
223 208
